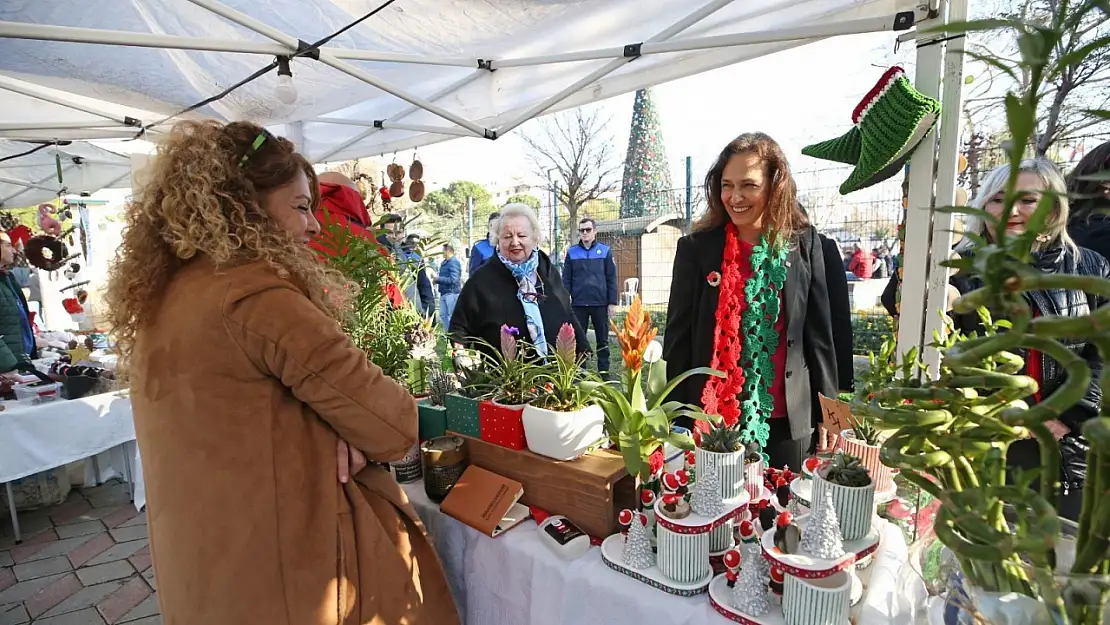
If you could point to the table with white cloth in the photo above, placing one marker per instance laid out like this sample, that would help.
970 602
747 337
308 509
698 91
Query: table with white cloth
517 579
53 434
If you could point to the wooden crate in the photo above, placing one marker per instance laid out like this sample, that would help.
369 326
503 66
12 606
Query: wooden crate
590 491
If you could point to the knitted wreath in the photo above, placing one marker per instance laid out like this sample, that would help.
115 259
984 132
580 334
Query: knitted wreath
46 252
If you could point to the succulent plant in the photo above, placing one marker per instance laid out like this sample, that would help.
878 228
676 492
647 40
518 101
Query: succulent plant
753 453
722 439
865 428
440 384
847 470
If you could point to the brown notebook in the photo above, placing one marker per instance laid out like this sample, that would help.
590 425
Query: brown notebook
486 501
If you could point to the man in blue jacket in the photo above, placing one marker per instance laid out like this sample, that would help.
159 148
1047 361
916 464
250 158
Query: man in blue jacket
486 248
590 276
449 280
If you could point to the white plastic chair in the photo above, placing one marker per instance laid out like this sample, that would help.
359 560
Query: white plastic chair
631 286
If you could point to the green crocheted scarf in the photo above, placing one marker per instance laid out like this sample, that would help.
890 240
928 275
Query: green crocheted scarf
762 292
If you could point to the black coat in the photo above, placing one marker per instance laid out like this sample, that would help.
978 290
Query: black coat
840 310
691 323
488 301
1093 231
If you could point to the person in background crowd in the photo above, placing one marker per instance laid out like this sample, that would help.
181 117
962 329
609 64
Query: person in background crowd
590 276
256 413
408 262
411 247
861 263
449 280
18 336
1053 252
1089 225
486 248
521 289
754 238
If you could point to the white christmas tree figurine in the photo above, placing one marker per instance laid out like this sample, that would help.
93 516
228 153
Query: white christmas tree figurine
637 552
821 535
706 495
750 594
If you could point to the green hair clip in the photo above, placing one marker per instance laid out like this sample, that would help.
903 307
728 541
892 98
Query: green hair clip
257 143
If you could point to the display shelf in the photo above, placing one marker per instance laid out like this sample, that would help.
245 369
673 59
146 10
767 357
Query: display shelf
808 567
697 524
611 549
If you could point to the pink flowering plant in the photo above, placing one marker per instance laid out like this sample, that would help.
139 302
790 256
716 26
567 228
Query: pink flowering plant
510 374
559 380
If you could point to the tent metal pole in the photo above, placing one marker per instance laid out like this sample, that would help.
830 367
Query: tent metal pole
793 33
919 214
85 135
388 125
73 34
9 127
326 58
947 162
451 88
55 97
391 57
689 20
4 201
22 183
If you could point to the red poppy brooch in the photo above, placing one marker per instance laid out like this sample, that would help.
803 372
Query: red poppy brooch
714 278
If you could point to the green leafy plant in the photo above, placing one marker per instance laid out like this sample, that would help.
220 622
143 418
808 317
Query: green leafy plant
559 379
471 373
638 416
953 434
846 470
722 439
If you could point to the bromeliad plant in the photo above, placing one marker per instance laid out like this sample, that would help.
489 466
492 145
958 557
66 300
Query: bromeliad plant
561 377
510 373
638 416
953 435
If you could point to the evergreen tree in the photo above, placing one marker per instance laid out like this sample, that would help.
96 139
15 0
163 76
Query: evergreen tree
706 497
637 552
647 175
821 536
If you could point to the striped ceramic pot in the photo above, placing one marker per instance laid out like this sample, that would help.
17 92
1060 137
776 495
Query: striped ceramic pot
730 469
869 456
855 505
753 479
721 538
682 557
822 601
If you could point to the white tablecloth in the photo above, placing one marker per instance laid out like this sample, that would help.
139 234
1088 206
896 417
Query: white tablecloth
515 578
38 438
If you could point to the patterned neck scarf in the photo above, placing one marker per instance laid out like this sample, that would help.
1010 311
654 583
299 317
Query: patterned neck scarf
529 296
744 344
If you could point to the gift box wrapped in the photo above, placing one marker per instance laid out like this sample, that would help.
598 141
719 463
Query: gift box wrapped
502 425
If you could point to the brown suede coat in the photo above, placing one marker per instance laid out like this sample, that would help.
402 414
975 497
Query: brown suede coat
241 390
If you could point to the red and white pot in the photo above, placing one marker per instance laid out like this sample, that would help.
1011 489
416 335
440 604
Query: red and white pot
683 558
869 456
730 469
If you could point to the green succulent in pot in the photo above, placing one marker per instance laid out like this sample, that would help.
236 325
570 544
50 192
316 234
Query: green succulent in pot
440 384
846 470
722 439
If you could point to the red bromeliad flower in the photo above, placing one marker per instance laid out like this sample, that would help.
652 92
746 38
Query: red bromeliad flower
508 342
565 344
394 295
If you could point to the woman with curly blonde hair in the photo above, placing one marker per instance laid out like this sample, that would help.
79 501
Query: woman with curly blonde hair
244 389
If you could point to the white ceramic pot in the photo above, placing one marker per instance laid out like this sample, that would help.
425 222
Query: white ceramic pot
855 505
822 601
753 472
563 435
869 456
730 469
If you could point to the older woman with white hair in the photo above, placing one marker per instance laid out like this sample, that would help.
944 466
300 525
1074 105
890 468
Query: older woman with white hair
519 288
1053 252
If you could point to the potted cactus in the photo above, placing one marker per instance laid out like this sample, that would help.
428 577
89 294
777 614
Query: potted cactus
853 493
433 409
723 447
562 423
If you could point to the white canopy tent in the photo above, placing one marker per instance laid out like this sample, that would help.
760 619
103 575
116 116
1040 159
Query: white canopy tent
424 71
33 178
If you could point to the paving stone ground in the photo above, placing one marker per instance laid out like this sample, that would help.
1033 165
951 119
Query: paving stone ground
83 562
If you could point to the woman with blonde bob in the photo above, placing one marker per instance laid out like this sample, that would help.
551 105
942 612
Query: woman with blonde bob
1053 252
246 394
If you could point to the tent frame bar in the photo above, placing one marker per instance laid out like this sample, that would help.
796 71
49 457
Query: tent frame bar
76 34
5 200
901 21
326 58
383 124
9 127
60 98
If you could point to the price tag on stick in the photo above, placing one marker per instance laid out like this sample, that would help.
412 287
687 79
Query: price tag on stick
835 415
